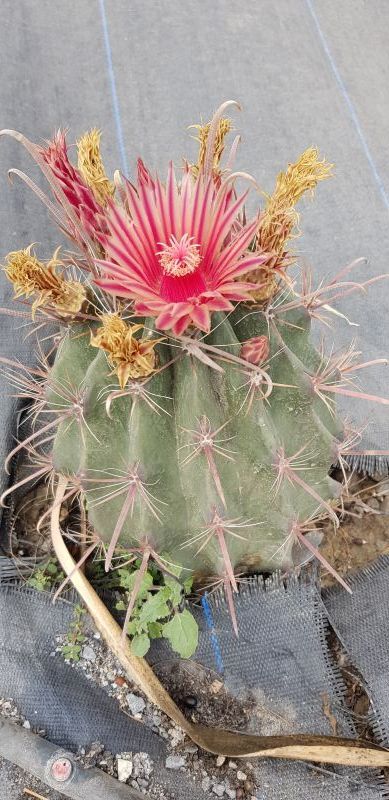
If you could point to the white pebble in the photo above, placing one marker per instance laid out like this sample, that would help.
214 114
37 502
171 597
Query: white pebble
175 762
220 761
241 776
136 704
219 789
124 766
88 653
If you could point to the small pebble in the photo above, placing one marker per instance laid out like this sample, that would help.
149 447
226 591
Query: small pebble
231 793
232 765
27 724
219 789
239 794
124 767
248 787
175 762
136 704
120 681
190 701
206 784
88 653
373 503
241 776
220 761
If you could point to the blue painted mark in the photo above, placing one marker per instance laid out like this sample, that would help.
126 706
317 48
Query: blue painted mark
115 99
212 632
349 103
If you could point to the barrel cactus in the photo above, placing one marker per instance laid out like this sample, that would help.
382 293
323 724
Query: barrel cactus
186 404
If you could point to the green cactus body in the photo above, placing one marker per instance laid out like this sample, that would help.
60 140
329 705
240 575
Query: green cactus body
188 460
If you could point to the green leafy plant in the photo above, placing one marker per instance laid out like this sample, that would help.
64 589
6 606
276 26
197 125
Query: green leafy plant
75 637
46 576
158 609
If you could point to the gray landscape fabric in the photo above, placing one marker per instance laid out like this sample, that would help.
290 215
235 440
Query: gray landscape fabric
361 621
280 665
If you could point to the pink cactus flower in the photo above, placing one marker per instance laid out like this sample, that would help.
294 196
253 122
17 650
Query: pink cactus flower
177 250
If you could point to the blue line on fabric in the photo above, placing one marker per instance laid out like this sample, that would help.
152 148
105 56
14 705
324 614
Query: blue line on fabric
212 632
349 103
115 99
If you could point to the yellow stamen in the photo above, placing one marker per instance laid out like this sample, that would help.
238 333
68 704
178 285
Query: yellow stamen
32 277
129 356
224 127
91 166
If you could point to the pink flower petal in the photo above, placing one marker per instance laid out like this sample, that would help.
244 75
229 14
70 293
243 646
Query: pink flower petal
180 325
201 317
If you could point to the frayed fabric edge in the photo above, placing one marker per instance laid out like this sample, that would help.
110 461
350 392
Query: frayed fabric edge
372 466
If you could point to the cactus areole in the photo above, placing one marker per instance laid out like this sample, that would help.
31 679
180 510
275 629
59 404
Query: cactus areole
185 403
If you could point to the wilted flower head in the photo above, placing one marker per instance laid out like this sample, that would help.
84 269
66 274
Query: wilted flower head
32 277
279 222
223 129
91 166
130 356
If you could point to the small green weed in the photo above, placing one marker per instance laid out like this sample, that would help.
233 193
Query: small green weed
159 611
71 649
46 576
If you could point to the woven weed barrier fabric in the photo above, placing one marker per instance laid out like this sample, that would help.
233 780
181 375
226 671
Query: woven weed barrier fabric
361 621
44 686
73 712
280 664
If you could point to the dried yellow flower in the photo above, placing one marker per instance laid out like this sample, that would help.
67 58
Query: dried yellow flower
130 357
279 222
91 166
32 277
299 178
224 127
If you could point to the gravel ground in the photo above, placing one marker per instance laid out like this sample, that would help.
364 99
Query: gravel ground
201 697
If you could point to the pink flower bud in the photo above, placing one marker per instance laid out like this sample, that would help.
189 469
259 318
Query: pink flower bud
255 350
